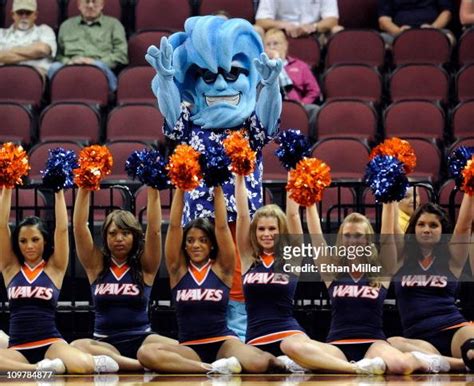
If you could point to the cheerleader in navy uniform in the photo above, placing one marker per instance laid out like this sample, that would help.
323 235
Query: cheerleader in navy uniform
430 266
200 262
269 292
121 275
33 272
356 330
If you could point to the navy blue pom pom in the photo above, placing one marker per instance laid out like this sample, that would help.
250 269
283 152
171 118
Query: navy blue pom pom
457 161
293 147
149 167
58 172
386 177
215 165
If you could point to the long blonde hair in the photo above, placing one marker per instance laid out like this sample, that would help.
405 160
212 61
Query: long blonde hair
373 257
274 211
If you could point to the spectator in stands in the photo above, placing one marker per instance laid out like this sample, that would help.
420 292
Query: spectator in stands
396 16
406 207
466 13
92 38
298 17
25 42
297 82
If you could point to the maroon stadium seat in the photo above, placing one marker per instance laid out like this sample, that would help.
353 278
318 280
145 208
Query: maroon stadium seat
161 14
306 49
465 83
272 168
347 118
141 201
134 85
135 122
80 83
16 123
294 116
462 120
12 85
27 202
69 121
355 47
243 9
354 82
347 157
428 160
138 45
414 118
421 45
121 150
466 48
419 81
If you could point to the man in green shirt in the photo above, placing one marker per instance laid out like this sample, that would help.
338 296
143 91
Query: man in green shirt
92 38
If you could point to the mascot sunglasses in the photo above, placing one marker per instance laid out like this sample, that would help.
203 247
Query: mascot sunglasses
230 76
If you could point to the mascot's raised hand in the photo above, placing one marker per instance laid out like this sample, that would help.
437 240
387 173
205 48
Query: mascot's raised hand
169 98
266 108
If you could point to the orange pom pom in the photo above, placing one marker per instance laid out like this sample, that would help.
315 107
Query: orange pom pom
95 162
183 167
398 148
13 165
242 156
468 177
308 180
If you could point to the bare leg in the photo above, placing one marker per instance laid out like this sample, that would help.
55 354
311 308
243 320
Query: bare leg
76 361
398 362
461 335
408 345
167 358
315 355
94 347
13 360
252 359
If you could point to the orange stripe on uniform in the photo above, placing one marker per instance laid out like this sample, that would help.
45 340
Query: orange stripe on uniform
353 341
37 343
275 337
459 325
209 340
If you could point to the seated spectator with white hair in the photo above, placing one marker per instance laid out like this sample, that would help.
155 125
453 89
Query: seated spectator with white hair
24 42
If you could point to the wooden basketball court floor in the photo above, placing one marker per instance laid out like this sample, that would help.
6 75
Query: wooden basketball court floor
150 379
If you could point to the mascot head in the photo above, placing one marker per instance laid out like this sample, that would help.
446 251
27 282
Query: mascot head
213 59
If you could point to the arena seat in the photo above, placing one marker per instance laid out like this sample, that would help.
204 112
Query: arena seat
347 118
140 198
243 9
134 85
12 85
306 49
352 82
462 120
140 122
465 83
355 47
421 45
161 14
294 116
16 124
466 48
138 45
414 118
428 160
80 83
70 121
419 81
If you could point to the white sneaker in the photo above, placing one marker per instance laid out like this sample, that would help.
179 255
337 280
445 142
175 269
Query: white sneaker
226 366
54 365
436 363
374 366
291 365
104 364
